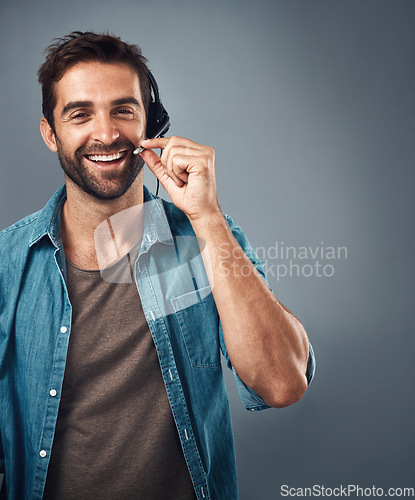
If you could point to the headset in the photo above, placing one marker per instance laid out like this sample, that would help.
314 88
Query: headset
158 120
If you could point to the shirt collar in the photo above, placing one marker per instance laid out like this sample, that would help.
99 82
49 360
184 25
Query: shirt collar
48 220
156 225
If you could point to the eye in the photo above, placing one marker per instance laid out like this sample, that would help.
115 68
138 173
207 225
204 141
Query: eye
79 117
126 113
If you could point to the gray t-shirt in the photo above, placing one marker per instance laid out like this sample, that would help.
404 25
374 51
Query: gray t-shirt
115 435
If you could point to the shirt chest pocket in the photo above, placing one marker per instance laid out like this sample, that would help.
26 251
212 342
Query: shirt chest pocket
198 319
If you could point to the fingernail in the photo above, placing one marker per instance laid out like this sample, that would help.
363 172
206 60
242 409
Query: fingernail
145 141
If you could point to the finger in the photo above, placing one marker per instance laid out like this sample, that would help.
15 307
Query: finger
154 164
177 160
171 150
175 172
174 140
160 142
179 171
184 165
151 159
172 170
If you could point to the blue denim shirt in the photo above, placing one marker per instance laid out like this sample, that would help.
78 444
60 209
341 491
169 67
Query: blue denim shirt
35 326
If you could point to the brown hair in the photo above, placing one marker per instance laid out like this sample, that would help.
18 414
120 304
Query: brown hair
81 46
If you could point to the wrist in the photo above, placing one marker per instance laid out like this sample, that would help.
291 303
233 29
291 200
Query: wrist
209 223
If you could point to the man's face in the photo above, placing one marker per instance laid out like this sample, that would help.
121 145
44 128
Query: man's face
99 121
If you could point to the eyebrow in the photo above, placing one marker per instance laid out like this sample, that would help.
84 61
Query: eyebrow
87 104
126 100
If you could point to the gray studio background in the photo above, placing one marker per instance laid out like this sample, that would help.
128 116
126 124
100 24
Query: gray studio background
310 107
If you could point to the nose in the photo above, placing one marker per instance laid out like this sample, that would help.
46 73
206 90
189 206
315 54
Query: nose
105 129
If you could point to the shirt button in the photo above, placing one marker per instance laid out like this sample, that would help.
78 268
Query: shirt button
63 329
42 453
53 392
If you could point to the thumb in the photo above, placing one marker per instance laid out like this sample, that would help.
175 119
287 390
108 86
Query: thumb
154 164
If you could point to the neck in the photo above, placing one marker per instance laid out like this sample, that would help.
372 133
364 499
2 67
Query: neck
95 233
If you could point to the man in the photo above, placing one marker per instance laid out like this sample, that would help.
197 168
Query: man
115 304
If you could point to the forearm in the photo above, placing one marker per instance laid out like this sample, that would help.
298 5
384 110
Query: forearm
267 345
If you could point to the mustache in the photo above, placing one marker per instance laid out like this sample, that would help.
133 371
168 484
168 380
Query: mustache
119 144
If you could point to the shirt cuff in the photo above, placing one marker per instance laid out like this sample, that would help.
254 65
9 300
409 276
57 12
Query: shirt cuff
253 401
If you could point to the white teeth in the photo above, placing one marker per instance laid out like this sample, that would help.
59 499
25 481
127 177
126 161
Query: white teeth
115 156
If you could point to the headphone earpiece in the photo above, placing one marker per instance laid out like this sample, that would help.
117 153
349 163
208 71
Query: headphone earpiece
158 120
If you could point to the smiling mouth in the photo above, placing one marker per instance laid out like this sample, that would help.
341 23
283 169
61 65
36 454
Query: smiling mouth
108 159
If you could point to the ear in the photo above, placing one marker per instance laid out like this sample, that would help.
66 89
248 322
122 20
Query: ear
48 135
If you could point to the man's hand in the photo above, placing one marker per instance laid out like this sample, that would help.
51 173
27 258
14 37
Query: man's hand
186 170
267 345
